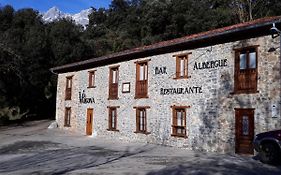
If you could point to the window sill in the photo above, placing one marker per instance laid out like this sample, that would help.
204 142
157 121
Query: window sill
115 130
140 132
180 78
244 92
91 87
113 99
141 97
179 136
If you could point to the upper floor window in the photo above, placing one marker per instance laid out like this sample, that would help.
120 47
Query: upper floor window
141 79
68 88
113 82
246 71
92 78
179 121
182 66
67 117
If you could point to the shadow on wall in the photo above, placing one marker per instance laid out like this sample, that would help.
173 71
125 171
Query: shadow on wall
217 129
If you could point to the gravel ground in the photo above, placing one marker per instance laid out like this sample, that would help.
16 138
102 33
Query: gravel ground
33 149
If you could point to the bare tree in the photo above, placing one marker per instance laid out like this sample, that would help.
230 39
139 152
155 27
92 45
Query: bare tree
244 9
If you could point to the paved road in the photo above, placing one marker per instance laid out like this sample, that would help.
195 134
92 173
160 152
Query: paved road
33 149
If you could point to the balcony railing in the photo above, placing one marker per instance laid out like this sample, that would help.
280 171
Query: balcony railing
141 89
68 94
113 91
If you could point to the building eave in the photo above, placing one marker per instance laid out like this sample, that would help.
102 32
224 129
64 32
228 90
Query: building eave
260 27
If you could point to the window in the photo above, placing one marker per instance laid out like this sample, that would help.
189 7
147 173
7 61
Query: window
112 119
141 120
182 66
67 117
92 78
68 88
246 73
179 121
126 87
141 80
113 83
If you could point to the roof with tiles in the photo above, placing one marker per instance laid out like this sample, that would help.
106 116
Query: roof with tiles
235 32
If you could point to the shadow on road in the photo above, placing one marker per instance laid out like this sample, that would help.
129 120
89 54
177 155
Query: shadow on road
54 158
226 165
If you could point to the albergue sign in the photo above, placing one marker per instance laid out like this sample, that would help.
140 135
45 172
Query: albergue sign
210 64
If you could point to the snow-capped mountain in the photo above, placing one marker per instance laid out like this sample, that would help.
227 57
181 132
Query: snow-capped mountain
80 18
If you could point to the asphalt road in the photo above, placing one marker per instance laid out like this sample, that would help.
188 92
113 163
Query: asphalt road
33 149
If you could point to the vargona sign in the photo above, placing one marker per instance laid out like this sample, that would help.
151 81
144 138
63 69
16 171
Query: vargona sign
210 64
187 90
84 99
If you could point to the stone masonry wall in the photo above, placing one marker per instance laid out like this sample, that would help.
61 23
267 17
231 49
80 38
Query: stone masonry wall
211 117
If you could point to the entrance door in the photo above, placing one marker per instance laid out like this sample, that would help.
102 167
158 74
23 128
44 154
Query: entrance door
244 128
89 121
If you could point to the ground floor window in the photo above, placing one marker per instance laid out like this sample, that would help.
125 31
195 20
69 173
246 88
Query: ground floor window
179 121
112 118
67 117
141 120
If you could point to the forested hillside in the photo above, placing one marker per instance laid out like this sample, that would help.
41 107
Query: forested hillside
29 46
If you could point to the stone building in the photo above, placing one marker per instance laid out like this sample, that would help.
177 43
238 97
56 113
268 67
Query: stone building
210 91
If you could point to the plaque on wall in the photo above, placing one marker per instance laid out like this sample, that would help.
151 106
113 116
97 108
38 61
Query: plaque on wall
126 87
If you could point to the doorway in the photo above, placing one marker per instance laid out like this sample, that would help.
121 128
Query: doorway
89 125
244 131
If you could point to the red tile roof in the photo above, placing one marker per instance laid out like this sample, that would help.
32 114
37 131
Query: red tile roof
195 37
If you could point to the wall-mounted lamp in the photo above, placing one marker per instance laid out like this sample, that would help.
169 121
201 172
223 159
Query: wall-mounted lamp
272 49
274 34
274 31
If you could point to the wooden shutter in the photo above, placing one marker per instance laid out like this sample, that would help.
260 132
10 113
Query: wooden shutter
91 79
182 125
137 120
109 118
174 121
68 88
142 84
182 62
245 80
67 117
113 86
177 67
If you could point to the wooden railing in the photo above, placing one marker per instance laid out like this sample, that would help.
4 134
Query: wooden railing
113 91
68 94
246 81
141 89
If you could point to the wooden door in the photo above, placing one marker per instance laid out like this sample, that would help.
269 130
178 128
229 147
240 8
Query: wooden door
89 126
244 127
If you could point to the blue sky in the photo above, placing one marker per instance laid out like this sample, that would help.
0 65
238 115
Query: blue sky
68 6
